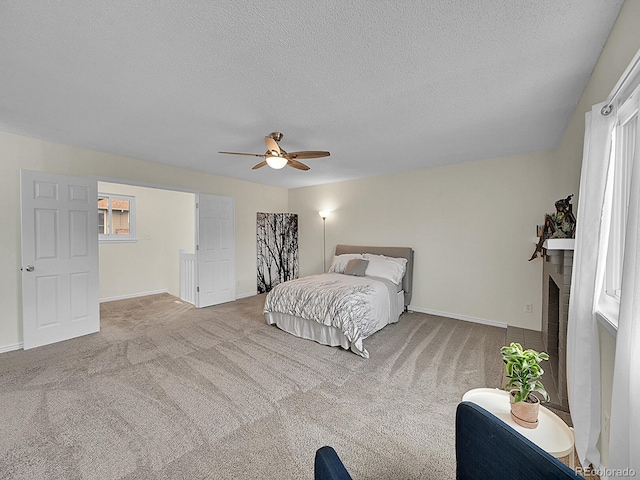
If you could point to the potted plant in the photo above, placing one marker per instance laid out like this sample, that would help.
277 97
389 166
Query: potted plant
523 374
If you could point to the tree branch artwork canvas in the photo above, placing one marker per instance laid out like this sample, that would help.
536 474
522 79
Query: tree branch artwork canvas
277 238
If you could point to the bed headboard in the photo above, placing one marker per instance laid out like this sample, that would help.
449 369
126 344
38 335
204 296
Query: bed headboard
398 252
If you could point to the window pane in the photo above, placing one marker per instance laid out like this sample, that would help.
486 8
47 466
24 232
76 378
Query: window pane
120 216
102 215
623 161
116 217
103 209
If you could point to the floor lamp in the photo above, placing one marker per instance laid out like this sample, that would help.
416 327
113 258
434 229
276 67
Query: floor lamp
323 215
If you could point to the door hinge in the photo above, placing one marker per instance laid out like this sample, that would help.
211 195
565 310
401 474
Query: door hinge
197 247
197 205
198 289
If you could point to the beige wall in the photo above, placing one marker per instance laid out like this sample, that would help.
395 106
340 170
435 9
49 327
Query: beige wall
165 224
471 225
18 152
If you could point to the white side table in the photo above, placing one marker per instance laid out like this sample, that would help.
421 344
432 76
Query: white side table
552 434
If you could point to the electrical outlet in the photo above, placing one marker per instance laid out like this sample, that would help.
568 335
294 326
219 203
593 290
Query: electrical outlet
528 308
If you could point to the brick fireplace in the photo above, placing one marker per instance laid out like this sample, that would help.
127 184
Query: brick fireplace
556 287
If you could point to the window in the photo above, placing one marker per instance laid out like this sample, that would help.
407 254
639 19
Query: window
625 142
624 151
116 218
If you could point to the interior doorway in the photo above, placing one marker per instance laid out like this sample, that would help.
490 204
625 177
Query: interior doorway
142 230
141 237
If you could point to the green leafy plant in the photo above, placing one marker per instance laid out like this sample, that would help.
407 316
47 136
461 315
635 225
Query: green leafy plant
524 372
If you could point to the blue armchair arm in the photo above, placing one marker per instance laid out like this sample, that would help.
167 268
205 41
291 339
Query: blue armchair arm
328 465
486 447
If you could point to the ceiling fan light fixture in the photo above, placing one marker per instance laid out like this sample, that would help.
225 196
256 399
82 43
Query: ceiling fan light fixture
276 162
277 158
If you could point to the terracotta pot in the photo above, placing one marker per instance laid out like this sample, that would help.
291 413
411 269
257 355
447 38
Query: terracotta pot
525 413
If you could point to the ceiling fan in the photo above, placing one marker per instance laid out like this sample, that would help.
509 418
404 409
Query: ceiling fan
277 158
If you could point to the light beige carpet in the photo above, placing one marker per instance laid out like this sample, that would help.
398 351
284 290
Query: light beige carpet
166 390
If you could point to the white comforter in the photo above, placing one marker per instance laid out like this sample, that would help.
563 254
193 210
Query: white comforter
358 306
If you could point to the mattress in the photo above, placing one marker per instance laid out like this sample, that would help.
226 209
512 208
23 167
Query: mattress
334 309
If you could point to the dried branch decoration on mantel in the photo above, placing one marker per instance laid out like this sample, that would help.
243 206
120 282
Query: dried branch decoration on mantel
561 224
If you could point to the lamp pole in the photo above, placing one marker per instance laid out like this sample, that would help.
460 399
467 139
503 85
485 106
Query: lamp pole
323 215
324 241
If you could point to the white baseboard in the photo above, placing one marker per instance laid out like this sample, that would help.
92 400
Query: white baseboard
132 295
10 348
456 316
245 295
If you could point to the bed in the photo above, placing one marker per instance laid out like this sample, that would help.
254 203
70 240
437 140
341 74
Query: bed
365 289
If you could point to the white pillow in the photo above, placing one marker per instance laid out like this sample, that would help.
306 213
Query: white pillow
399 260
385 267
339 262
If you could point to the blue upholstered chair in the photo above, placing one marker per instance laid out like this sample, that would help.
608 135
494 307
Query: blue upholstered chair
486 447
328 465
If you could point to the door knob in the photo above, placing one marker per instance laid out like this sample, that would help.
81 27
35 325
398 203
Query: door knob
30 268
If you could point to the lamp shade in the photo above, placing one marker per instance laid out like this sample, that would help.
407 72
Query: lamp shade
276 162
324 214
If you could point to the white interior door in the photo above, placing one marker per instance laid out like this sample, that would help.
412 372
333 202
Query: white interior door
60 297
215 250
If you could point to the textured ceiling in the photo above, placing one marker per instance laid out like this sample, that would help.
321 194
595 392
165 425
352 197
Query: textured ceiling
385 86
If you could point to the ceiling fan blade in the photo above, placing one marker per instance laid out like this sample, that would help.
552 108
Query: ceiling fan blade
249 154
296 164
272 145
259 165
308 154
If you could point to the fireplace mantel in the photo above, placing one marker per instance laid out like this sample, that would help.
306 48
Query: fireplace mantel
559 243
